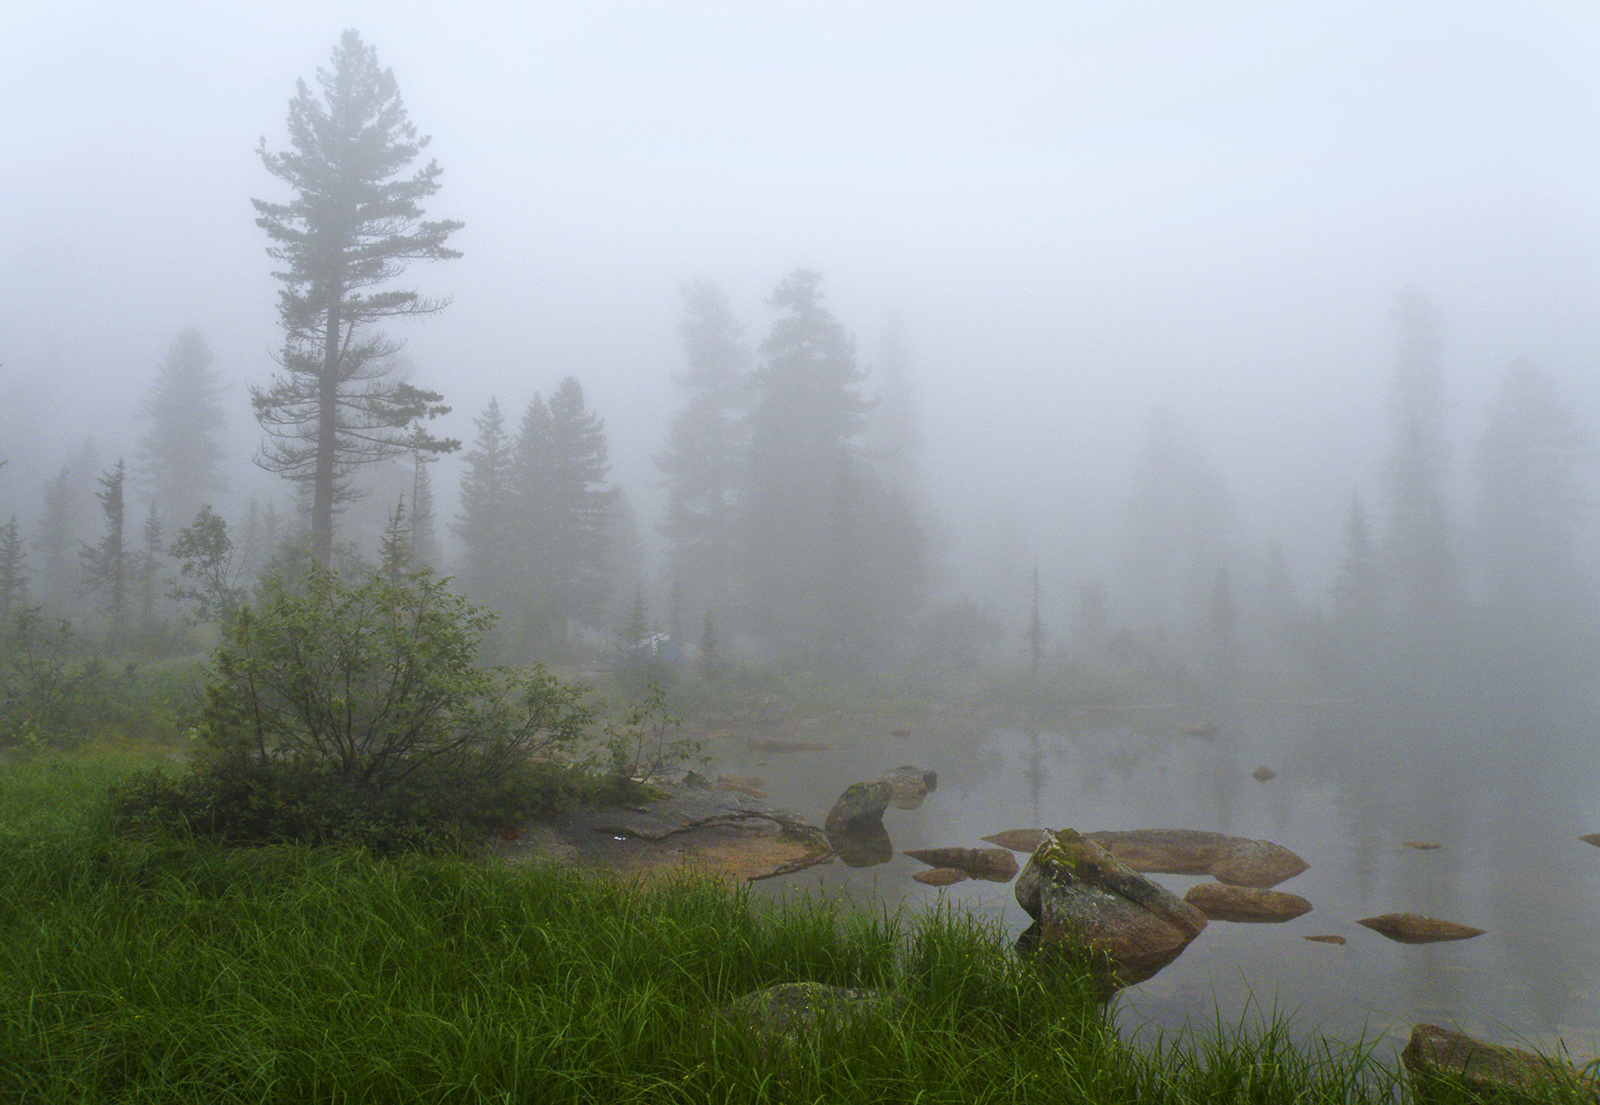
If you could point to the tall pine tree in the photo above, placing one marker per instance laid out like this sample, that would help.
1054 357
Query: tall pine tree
355 221
483 523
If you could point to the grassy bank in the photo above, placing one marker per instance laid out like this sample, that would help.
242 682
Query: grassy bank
150 972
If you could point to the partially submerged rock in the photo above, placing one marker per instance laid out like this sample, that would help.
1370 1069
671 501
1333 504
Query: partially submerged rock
1444 1063
941 876
1017 840
1228 859
1258 863
1085 900
1263 773
1244 903
911 785
1412 928
752 782
860 807
1419 845
1327 939
1591 838
994 864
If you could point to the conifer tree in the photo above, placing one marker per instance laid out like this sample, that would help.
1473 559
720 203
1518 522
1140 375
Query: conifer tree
107 566
355 221
703 463
180 457
1357 589
484 522
13 573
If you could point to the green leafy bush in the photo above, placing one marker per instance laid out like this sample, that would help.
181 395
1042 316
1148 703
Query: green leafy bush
354 711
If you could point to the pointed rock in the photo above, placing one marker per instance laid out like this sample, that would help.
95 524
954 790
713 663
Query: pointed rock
1412 928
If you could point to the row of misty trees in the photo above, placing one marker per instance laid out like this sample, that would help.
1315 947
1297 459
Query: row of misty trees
784 520
1425 574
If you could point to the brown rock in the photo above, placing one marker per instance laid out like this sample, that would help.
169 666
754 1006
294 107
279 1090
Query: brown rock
1242 903
1591 838
1257 863
1083 898
754 782
940 876
1339 940
994 864
1018 840
1410 928
1419 845
1204 732
1443 1063
737 788
1229 859
1263 773
860 808
911 785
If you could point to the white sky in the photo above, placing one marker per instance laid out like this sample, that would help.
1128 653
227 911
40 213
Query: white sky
1079 210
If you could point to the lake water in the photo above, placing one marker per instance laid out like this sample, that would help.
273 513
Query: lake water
1350 790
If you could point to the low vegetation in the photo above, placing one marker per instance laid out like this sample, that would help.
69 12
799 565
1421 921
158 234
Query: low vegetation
173 971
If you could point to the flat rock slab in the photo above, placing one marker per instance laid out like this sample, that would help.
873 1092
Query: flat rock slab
1418 845
1249 904
1443 1063
993 864
1017 840
1412 928
1326 939
941 876
715 831
1229 859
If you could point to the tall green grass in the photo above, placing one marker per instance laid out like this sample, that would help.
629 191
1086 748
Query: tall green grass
166 972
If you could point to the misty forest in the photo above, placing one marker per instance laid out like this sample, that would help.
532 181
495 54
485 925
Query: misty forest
647 680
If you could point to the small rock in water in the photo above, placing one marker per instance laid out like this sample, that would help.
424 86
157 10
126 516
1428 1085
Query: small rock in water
1327 940
1410 928
1244 903
1262 774
1018 840
1204 732
1419 845
994 864
1591 838
754 782
940 876
903 734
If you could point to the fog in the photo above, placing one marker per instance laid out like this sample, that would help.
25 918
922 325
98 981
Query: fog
1257 346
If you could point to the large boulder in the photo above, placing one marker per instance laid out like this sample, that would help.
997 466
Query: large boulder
860 808
1443 1064
911 785
1084 899
1245 903
994 864
1411 928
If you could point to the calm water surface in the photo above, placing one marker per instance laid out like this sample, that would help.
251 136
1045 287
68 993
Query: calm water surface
1347 796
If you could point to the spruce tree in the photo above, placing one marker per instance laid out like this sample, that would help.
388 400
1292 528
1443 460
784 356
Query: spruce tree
703 463
355 221
808 417
484 522
107 565
179 458
578 512
13 574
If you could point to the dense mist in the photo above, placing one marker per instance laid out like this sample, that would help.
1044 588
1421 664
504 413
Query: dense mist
1161 305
